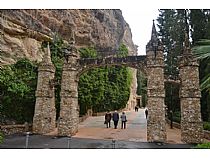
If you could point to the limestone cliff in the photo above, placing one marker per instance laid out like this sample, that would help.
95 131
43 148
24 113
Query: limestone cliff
22 31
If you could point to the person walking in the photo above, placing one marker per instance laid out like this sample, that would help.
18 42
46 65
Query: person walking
146 112
108 117
136 108
115 117
124 120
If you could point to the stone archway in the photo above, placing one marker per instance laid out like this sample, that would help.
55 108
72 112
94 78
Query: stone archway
69 111
44 117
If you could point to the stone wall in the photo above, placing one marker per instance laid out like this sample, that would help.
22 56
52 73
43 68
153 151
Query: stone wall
15 129
177 125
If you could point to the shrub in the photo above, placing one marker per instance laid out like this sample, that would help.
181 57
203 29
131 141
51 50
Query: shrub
203 146
206 126
177 116
1 137
177 119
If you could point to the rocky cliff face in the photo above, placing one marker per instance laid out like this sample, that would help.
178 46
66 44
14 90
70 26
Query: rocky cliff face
22 31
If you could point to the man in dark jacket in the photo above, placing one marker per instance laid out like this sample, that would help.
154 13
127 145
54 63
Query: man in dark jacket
108 117
146 112
115 117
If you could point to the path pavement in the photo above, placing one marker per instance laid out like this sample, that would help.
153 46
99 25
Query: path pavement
93 134
94 128
50 142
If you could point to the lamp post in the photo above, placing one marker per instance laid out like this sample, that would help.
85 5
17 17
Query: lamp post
27 138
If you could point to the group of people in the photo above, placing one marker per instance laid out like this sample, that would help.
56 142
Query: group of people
115 118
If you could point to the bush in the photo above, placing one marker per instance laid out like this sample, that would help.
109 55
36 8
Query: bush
177 116
206 126
18 85
177 119
1 137
203 146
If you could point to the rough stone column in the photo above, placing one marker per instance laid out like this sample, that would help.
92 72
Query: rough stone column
191 123
69 108
45 114
156 123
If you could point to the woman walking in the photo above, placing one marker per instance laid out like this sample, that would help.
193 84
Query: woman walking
124 120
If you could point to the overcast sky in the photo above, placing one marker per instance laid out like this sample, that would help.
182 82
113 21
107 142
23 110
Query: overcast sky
140 22
138 14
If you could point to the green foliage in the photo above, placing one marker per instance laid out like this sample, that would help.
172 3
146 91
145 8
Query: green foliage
203 146
202 52
18 85
123 51
201 41
101 89
106 88
197 23
177 116
88 52
206 126
170 22
1 138
142 87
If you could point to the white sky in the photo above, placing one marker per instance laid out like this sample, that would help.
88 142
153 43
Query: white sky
140 22
137 13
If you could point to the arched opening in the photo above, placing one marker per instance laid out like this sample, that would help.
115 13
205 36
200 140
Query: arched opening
95 128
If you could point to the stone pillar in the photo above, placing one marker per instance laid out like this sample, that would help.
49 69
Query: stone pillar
156 123
191 123
69 108
45 114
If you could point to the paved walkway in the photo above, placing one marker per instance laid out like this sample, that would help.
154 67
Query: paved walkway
94 134
94 128
50 142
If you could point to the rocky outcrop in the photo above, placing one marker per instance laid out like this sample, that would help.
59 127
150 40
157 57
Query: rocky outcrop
23 30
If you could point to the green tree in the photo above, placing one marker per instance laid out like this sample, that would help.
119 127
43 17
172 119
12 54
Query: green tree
105 88
201 51
18 85
171 21
142 86
200 23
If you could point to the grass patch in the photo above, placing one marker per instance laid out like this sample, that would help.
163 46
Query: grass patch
203 146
